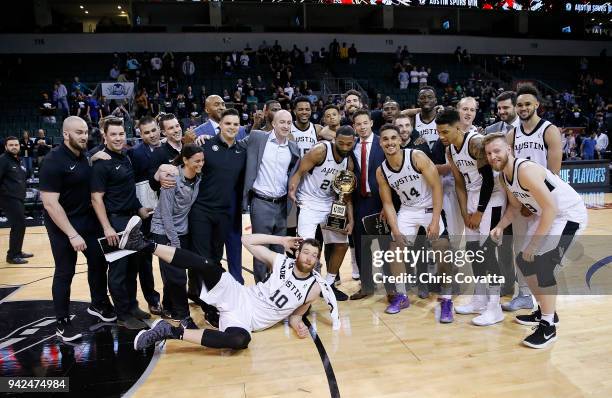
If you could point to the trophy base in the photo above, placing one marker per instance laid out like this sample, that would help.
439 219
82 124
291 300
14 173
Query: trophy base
335 223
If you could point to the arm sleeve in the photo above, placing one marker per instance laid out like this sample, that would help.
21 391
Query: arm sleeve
487 187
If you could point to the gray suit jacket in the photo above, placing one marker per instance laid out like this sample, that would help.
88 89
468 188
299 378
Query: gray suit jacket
255 144
497 127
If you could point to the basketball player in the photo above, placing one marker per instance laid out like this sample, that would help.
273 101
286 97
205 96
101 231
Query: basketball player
425 119
291 288
413 176
540 141
481 202
304 133
267 116
467 107
311 189
559 214
352 103
331 119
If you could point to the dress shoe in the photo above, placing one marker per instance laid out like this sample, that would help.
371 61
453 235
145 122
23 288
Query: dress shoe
25 255
16 260
359 295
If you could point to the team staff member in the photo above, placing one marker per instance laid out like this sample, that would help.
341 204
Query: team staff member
113 195
166 152
140 156
72 226
12 195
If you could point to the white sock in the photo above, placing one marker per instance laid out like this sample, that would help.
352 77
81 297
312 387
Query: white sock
480 289
548 318
400 288
354 262
330 279
446 297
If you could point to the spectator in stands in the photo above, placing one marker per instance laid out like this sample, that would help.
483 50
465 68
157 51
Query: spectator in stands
307 56
60 96
252 98
334 50
398 54
182 112
261 89
414 76
245 60
404 78
457 54
443 78
601 144
47 110
467 58
80 86
423 75
352 55
114 72
80 108
587 147
123 76
142 103
105 109
42 146
344 53
132 65
288 90
26 149
226 97
568 144
121 111
162 87
172 86
156 65
238 98
190 99
94 108
188 69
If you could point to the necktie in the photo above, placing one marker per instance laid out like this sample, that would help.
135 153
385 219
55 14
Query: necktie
364 168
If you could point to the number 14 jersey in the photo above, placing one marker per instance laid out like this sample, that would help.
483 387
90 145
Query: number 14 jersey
408 183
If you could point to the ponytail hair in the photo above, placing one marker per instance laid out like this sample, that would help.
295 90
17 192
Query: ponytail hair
187 152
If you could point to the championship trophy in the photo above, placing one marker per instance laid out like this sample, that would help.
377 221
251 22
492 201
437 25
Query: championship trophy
344 183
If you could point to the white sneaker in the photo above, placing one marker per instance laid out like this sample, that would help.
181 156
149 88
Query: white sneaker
477 305
492 315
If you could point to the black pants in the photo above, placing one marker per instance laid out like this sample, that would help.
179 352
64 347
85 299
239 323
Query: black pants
175 282
122 275
145 271
65 261
208 232
15 213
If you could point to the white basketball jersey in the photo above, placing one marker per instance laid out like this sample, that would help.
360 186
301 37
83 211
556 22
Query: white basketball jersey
532 146
427 130
315 192
280 295
408 183
564 195
305 139
467 164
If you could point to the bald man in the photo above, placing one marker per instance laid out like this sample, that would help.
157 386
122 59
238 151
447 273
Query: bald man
271 159
214 107
72 226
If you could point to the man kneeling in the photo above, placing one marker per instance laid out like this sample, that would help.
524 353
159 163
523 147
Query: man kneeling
291 288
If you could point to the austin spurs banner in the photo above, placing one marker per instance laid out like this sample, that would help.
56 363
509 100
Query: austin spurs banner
117 90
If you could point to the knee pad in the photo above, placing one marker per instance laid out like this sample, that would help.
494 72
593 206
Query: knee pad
527 268
545 268
237 338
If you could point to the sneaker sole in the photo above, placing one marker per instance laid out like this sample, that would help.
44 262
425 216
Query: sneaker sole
447 320
460 312
488 324
98 315
144 330
549 342
64 338
526 323
513 309
128 228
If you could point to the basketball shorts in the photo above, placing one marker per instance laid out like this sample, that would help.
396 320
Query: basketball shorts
309 219
233 302
409 220
491 216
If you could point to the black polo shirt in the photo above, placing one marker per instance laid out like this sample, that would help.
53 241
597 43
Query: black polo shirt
165 154
65 173
438 152
222 176
12 177
421 147
115 177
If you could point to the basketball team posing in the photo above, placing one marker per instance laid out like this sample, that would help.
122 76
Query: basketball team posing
506 177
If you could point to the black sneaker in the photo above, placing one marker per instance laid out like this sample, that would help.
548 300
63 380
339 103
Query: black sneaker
16 260
340 296
160 330
129 322
132 238
534 318
156 309
337 281
544 335
105 313
65 331
188 323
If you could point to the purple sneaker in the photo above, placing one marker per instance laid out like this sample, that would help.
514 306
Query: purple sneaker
446 311
398 303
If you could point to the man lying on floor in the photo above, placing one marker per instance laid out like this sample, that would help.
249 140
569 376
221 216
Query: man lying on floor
291 288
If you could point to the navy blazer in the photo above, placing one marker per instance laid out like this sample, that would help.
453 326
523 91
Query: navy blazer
140 155
376 158
208 129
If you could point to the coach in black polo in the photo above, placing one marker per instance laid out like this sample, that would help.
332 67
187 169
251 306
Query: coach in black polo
72 226
222 178
113 195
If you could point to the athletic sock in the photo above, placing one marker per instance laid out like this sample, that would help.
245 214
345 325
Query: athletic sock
177 332
494 292
548 318
400 288
446 296
524 291
330 278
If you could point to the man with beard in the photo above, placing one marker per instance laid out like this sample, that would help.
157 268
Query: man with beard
331 119
113 197
506 110
72 226
267 116
303 132
311 189
12 195
352 103
140 156
410 138
538 140
559 214
481 202
293 286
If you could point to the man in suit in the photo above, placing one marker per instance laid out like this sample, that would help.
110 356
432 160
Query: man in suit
271 160
506 103
367 156
214 107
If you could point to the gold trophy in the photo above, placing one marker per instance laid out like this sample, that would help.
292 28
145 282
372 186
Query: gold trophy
344 183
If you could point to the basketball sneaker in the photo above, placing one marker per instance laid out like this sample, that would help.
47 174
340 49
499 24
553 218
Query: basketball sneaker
446 311
477 305
65 331
490 316
132 238
544 335
518 303
534 318
160 330
106 312
398 303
